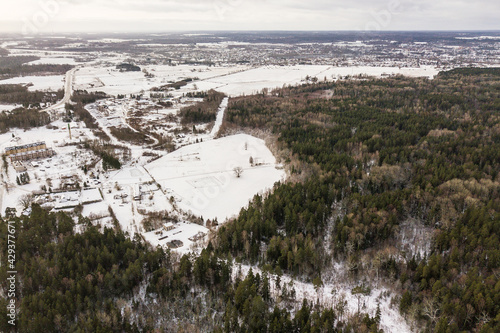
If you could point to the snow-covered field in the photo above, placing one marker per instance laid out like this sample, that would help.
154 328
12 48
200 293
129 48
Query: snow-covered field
51 82
54 61
201 178
256 79
112 81
232 80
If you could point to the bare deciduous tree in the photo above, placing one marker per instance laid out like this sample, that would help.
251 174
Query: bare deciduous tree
26 200
431 310
238 171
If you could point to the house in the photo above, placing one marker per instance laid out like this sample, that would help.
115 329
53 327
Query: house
175 244
90 196
137 192
19 166
168 226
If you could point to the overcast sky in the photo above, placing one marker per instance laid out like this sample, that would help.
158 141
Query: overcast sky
29 16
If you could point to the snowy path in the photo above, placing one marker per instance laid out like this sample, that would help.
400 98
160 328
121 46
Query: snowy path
220 117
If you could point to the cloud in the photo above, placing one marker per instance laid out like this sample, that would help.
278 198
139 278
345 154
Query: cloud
162 15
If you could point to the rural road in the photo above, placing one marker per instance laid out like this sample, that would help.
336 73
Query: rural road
68 90
220 117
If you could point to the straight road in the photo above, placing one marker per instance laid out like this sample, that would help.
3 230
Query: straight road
68 90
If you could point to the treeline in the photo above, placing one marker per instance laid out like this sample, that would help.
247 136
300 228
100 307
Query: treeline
15 66
23 118
84 97
106 152
15 61
289 221
197 94
128 68
175 85
128 135
78 111
369 155
472 71
19 94
202 112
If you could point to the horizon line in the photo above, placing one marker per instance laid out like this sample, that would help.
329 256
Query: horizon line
248 31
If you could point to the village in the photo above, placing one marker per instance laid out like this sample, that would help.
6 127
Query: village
170 197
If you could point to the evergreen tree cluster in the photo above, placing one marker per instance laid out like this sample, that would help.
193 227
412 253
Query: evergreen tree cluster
19 94
202 112
23 178
91 281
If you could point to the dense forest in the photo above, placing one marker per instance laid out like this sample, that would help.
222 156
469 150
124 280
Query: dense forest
202 112
19 94
23 118
369 158
29 114
174 85
107 282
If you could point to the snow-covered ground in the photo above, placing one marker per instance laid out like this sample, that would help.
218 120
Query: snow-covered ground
9 107
183 232
220 118
331 293
53 61
66 162
256 79
197 178
232 80
112 81
50 82
201 178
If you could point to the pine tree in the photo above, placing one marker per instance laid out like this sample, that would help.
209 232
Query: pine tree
378 314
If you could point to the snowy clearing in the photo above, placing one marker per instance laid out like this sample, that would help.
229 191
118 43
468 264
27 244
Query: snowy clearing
232 80
201 178
53 61
331 293
256 79
51 82
111 81
9 107
185 232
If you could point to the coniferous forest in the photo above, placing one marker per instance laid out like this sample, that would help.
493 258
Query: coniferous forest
371 162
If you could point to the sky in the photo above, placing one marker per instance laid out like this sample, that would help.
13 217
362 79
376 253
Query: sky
59 16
